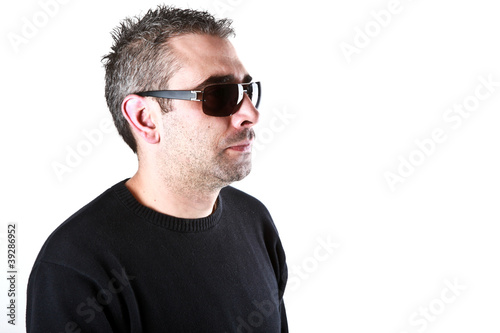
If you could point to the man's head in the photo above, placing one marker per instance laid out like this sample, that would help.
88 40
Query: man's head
141 57
174 49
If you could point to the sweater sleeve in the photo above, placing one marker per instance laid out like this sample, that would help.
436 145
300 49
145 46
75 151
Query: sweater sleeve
63 300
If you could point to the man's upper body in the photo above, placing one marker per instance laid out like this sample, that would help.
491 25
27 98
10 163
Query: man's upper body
172 249
118 266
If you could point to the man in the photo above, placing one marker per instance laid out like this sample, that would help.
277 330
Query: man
174 248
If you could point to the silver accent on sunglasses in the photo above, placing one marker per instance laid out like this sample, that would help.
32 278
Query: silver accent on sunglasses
240 93
195 95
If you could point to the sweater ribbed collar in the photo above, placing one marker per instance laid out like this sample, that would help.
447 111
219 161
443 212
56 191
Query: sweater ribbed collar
163 220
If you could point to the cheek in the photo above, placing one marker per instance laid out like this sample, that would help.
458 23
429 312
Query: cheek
208 136
188 136
190 129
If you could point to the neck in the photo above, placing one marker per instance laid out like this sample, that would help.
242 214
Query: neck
167 197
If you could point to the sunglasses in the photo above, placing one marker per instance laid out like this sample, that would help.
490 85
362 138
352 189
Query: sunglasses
218 100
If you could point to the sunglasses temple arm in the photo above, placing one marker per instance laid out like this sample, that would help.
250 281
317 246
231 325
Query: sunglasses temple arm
188 95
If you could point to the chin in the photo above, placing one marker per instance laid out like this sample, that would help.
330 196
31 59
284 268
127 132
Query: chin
234 174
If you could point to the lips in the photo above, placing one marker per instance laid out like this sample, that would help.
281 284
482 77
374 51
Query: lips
245 146
242 142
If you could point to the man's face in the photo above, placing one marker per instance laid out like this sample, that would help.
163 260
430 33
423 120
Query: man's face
204 150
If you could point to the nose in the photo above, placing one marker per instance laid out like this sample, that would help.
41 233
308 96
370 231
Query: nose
247 115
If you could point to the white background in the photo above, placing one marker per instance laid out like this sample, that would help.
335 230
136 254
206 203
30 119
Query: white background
331 127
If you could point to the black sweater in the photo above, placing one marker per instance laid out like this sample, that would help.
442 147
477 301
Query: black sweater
118 266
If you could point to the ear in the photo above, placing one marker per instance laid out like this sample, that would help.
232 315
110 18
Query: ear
141 118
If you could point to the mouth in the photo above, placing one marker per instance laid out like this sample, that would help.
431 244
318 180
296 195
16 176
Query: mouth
243 147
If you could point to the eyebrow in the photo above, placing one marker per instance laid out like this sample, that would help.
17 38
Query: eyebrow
217 79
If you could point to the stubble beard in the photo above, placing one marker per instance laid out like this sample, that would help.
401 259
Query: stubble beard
226 170
200 173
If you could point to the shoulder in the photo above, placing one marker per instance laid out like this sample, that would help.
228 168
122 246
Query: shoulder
243 206
82 234
237 197
257 220
237 200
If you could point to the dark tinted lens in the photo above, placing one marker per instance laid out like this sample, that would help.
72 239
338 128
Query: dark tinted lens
220 100
223 100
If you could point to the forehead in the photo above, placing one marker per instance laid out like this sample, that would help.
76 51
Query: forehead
202 56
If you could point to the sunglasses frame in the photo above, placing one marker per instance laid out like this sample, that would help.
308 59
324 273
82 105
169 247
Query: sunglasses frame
198 95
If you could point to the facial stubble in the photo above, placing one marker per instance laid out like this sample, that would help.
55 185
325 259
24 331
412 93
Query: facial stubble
190 164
